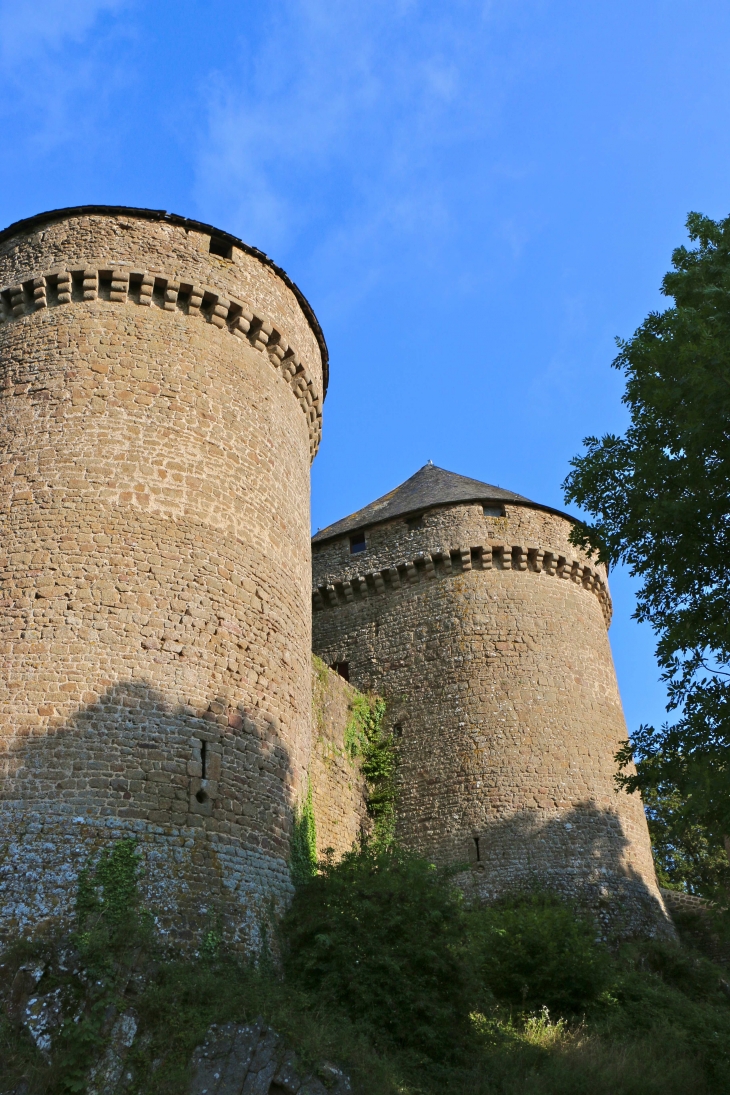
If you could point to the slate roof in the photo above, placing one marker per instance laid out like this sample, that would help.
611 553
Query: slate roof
430 486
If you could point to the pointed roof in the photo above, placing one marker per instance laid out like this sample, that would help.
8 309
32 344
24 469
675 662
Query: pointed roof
430 486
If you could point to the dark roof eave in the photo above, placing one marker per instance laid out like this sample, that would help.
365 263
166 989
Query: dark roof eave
185 222
320 538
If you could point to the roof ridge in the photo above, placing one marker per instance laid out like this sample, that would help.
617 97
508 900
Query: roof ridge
428 487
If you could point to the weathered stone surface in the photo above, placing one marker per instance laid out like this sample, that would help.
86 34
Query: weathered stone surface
251 1059
105 1076
487 637
155 633
338 787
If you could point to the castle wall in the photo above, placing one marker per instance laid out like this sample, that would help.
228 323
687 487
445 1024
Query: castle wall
159 408
496 667
338 787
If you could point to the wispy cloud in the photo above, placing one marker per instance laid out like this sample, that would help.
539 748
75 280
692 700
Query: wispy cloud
56 72
347 121
30 31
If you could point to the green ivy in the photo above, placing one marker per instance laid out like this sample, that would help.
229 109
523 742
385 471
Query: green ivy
303 848
365 737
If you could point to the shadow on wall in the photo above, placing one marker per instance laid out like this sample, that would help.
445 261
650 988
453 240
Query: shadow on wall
583 854
208 794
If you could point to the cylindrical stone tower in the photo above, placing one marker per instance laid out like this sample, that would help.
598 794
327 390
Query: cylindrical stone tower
468 609
162 386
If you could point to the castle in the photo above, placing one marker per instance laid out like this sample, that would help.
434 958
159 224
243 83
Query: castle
162 391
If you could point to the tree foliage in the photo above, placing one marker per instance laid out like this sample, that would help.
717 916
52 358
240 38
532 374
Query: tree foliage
660 499
534 951
376 935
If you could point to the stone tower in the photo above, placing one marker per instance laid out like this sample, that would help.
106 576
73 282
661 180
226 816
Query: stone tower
469 610
162 387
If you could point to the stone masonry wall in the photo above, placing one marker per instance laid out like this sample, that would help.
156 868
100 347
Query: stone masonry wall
154 506
487 638
338 787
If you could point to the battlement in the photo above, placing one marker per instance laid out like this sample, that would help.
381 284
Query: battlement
448 562
99 281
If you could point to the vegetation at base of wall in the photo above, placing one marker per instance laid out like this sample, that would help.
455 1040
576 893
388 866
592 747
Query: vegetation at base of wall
303 847
533 951
366 738
376 936
388 973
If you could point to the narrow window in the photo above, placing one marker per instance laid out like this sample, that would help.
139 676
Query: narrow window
493 511
221 247
414 522
476 845
343 668
357 543
398 730
202 795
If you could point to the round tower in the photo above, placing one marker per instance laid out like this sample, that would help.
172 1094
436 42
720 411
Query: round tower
162 386
485 629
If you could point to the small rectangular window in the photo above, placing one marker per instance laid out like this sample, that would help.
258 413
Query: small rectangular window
342 668
493 510
357 543
221 247
414 522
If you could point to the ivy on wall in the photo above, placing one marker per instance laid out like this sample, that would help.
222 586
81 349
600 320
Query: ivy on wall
303 848
366 738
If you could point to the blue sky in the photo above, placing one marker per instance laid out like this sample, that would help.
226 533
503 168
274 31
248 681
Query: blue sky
476 197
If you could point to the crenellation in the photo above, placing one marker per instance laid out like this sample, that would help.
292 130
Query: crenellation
109 283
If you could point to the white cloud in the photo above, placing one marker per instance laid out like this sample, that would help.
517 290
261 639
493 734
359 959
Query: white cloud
345 119
57 71
32 30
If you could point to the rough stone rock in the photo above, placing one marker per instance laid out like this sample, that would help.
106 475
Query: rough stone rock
42 1017
105 1076
251 1059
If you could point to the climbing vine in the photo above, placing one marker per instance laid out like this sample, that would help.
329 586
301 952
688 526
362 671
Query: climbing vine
367 738
303 848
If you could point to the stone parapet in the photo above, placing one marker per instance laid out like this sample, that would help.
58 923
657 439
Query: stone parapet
99 281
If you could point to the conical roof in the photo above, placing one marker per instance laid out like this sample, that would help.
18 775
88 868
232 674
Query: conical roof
430 486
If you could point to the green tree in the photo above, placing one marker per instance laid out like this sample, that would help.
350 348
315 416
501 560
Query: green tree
660 499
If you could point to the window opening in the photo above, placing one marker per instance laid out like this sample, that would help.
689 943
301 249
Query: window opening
493 511
357 543
398 730
203 758
221 247
414 522
342 668
476 845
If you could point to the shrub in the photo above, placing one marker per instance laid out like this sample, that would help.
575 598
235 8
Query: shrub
376 935
534 951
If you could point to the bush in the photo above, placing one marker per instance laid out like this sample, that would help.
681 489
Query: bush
376 935
534 951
